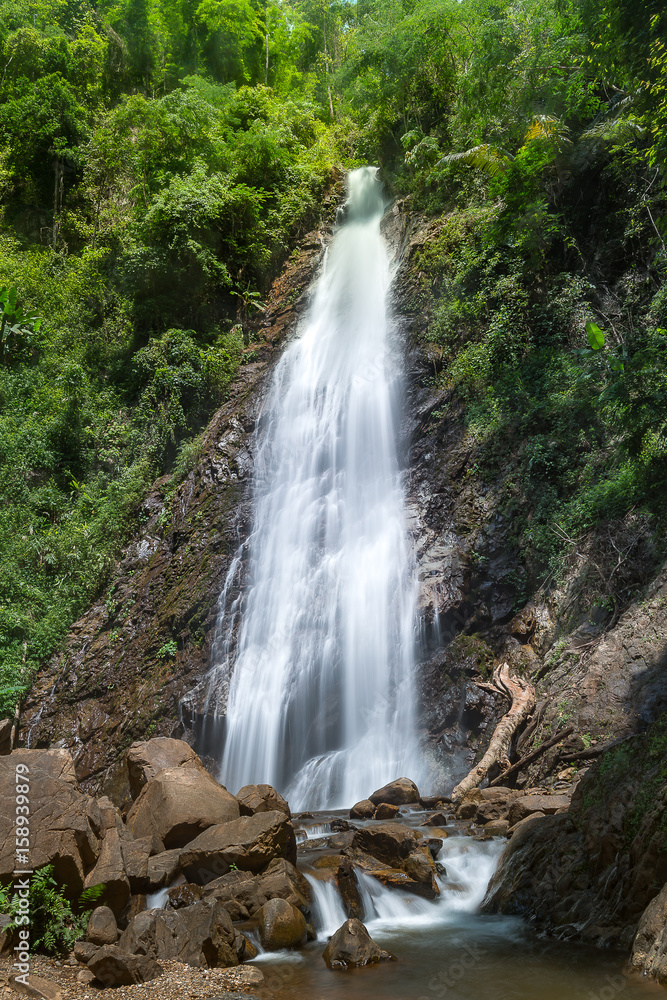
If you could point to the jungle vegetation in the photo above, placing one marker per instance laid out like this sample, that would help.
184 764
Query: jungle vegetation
159 159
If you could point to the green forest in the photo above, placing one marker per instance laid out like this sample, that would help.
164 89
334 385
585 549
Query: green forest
161 159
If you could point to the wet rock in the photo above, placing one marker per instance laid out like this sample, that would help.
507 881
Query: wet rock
362 810
102 927
341 826
145 759
282 880
201 935
65 823
388 842
494 803
183 895
112 966
281 925
178 804
246 950
348 890
397 793
649 949
386 811
420 866
340 841
437 819
239 892
261 798
396 878
109 871
250 843
352 946
525 805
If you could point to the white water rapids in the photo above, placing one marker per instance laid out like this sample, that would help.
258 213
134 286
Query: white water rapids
321 694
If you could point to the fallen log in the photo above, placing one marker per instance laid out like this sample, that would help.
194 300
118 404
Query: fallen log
522 703
530 757
593 752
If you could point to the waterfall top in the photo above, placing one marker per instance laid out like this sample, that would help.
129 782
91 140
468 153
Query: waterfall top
365 197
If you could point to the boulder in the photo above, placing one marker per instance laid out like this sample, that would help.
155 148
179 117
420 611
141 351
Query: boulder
281 925
6 935
494 803
201 935
239 892
146 759
102 927
352 945
112 966
261 798
497 827
178 804
282 880
437 819
388 842
362 810
250 843
84 951
348 890
420 866
526 805
136 905
649 950
5 736
109 871
136 854
398 793
34 986
162 869
65 823
386 811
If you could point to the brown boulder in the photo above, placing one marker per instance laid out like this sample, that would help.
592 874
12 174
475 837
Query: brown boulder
146 759
398 793
5 736
394 878
112 966
282 880
239 892
526 805
437 819
102 927
352 945
201 935
495 804
386 811
162 869
261 798
65 823
362 810
649 950
136 855
178 804
109 871
281 925
84 951
388 842
250 843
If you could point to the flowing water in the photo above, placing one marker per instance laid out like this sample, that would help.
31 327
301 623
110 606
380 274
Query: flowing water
320 700
444 947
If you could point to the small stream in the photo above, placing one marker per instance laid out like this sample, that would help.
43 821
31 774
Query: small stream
444 947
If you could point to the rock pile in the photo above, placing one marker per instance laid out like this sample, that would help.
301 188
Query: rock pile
226 859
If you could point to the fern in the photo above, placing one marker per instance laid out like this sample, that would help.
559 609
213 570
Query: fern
620 132
55 927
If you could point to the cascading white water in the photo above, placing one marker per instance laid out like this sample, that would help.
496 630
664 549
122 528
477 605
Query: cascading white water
320 701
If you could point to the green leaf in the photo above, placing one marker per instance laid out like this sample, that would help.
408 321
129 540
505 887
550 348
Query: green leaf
595 336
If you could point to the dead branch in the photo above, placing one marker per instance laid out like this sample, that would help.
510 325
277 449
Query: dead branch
522 703
529 758
593 752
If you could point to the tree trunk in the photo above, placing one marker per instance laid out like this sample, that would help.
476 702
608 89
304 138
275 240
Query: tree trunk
522 698
266 62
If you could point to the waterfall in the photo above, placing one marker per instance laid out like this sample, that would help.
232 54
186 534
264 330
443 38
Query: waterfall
321 694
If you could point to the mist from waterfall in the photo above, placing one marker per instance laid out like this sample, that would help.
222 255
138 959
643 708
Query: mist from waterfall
321 694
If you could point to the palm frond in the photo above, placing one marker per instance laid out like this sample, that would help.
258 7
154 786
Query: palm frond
620 131
545 128
492 160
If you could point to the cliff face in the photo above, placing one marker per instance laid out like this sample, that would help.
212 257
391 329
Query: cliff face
148 642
